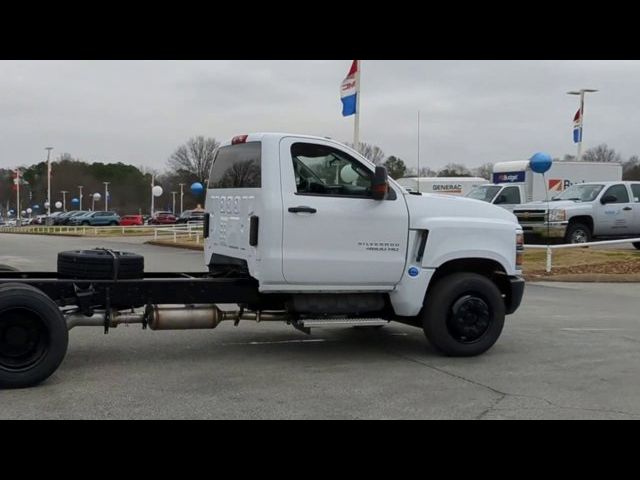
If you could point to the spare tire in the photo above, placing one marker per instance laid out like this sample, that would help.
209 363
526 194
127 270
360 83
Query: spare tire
100 264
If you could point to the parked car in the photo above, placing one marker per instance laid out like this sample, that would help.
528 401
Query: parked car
96 219
131 220
65 217
191 216
163 218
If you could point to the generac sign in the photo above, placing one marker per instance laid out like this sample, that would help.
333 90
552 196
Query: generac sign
447 188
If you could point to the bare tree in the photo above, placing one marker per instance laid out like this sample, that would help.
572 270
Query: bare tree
194 157
484 171
371 152
454 170
601 153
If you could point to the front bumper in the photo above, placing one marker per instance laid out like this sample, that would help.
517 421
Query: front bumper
545 230
514 295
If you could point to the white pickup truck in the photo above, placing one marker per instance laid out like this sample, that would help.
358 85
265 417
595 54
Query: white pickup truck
585 211
325 232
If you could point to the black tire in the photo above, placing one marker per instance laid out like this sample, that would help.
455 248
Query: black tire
7 268
637 245
33 336
113 224
99 265
85 224
470 295
577 233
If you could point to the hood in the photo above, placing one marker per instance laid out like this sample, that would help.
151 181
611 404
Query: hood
434 205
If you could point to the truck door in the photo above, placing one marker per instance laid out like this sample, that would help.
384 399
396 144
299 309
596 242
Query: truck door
334 233
635 204
616 216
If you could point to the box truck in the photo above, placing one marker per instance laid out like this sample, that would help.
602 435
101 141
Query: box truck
514 183
459 186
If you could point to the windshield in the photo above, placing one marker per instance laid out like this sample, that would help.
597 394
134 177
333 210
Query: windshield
486 193
581 192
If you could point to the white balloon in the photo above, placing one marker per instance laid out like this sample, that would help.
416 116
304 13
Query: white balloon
97 197
29 211
46 204
157 191
58 204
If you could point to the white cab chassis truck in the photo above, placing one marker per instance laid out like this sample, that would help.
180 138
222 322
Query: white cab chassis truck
459 186
298 229
514 183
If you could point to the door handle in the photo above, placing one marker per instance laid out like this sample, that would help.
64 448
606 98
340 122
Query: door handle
302 210
627 209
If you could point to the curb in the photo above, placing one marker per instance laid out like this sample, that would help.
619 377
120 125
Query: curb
587 278
184 246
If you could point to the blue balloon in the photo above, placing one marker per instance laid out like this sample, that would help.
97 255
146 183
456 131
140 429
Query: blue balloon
75 201
197 189
540 162
36 207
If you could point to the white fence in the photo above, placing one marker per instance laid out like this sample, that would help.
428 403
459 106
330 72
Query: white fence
184 232
179 230
551 248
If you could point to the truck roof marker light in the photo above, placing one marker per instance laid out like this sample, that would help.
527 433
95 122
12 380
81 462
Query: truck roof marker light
239 139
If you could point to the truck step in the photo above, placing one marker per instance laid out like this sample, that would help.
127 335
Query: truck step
353 322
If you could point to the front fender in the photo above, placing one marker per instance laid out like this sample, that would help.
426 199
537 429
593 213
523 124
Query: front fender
456 238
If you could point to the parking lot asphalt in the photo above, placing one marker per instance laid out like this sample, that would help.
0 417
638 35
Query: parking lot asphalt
572 351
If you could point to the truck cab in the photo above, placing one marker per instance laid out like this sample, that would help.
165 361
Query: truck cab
324 231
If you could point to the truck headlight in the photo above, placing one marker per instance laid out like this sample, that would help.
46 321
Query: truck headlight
519 250
558 215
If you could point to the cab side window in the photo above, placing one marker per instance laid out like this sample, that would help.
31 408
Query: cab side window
512 195
323 170
618 191
635 190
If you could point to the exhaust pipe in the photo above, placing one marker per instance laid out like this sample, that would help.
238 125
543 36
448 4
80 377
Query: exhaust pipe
173 317
191 317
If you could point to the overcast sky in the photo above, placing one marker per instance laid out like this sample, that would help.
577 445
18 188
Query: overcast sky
472 112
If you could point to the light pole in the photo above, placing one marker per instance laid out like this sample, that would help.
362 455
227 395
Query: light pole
182 197
48 149
80 187
17 180
174 202
153 184
64 200
579 119
106 196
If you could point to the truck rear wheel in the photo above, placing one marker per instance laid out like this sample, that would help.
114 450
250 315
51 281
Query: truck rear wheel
33 336
577 233
7 268
463 315
637 245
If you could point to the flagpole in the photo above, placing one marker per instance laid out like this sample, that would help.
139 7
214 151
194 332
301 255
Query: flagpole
581 123
418 178
356 120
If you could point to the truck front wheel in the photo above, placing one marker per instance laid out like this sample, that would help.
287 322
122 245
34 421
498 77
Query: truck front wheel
463 315
577 233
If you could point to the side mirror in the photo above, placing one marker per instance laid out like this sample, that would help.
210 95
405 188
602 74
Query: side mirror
380 185
608 199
